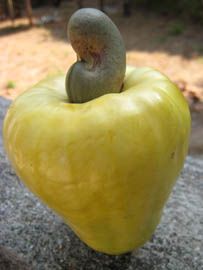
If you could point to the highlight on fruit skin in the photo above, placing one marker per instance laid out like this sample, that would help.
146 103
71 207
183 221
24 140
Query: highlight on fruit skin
106 164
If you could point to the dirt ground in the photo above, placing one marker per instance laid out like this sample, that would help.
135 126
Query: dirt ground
28 54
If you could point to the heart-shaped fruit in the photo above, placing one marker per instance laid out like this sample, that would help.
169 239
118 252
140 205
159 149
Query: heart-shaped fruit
105 162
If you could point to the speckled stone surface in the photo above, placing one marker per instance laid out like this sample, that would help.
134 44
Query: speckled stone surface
46 243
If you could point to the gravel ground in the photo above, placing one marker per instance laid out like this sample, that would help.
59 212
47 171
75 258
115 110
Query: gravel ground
41 238
28 54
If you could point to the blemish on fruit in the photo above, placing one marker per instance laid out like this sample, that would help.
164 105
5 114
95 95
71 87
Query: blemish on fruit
172 155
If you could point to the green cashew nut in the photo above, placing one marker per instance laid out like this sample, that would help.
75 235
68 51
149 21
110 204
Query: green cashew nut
101 64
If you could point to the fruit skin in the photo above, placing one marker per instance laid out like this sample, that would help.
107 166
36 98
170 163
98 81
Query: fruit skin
106 166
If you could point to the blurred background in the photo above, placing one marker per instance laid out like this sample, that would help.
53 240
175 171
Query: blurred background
164 34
